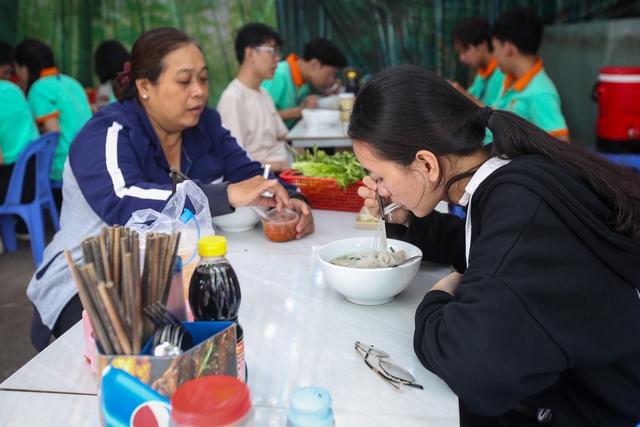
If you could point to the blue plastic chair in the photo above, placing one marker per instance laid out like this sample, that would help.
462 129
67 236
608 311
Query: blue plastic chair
630 160
43 149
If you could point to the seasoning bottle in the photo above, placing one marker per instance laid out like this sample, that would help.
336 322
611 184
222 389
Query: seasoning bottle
352 83
310 407
214 291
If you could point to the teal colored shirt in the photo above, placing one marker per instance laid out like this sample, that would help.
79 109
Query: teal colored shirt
62 97
487 85
17 127
535 98
284 91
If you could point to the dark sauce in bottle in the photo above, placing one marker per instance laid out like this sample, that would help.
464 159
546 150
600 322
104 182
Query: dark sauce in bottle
214 291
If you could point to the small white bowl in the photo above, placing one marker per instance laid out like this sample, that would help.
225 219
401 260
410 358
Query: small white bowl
329 101
320 117
367 286
243 219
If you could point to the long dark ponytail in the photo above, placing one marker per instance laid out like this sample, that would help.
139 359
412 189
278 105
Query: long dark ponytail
405 109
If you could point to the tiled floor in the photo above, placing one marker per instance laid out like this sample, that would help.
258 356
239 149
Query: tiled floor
16 269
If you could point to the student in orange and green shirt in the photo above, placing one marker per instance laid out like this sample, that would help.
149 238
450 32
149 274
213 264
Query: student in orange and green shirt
289 88
17 130
58 102
527 89
472 42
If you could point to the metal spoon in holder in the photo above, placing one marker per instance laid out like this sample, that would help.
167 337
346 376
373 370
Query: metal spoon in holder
171 338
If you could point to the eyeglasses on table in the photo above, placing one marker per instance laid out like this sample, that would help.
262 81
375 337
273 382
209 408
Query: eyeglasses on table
393 374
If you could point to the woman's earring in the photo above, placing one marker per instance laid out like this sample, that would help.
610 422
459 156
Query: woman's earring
145 96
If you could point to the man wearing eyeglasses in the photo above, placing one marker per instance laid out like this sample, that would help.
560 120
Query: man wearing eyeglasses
246 109
289 88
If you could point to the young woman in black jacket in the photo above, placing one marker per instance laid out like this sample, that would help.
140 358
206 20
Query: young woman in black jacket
541 323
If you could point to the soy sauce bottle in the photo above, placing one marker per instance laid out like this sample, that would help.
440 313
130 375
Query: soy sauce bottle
352 82
214 291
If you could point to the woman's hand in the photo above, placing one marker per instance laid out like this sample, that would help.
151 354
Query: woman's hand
249 193
448 284
368 193
305 225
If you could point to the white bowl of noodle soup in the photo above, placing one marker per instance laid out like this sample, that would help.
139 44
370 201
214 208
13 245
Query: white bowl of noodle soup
367 286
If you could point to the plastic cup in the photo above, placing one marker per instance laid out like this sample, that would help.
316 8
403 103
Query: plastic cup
211 401
186 252
280 226
346 101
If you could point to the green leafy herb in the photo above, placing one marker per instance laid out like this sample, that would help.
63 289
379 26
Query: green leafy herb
344 167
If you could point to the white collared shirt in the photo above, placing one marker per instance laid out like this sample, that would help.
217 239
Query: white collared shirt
481 174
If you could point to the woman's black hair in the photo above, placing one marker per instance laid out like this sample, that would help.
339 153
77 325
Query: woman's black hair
147 59
109 59
405 109
36 55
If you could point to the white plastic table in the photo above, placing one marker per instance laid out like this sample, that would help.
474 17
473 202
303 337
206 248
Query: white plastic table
322 136
298 332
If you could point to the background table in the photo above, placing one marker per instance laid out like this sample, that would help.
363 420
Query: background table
323 136
298 332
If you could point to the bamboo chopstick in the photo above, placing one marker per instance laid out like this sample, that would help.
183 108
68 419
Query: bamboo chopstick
114 288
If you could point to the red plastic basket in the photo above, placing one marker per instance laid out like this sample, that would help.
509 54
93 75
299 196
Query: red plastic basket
325 193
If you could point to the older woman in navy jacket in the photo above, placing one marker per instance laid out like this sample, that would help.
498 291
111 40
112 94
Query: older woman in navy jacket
120 162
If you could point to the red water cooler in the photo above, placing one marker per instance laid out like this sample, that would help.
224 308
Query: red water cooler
618 95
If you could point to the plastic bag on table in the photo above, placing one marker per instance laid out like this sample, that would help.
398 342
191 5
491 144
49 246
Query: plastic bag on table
175 217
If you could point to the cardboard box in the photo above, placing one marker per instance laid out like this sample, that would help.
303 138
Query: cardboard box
214 353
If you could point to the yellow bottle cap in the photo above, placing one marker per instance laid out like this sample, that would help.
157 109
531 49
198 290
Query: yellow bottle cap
351 74
212 246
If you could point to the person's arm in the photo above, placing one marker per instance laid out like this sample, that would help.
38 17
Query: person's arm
488 341
543 110
110 161
49 125
310 101
237 169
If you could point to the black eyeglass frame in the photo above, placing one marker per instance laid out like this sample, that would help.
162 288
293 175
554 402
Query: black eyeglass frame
366 350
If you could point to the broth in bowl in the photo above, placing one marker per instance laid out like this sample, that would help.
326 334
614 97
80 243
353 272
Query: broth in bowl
370 259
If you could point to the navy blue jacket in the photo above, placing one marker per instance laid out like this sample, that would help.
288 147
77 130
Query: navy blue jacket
120 166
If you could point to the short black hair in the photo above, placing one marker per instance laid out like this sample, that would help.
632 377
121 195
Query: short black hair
324 51
472 32
109 59
36 56
522 27
6 53
253 35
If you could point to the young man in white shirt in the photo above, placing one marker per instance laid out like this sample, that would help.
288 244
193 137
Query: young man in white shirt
248 110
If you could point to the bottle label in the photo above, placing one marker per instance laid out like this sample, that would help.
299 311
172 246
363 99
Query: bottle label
242 373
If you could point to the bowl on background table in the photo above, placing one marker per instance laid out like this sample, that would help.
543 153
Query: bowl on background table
243 219
316 118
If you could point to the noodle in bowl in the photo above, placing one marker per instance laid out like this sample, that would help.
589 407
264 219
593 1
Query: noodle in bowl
367 286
